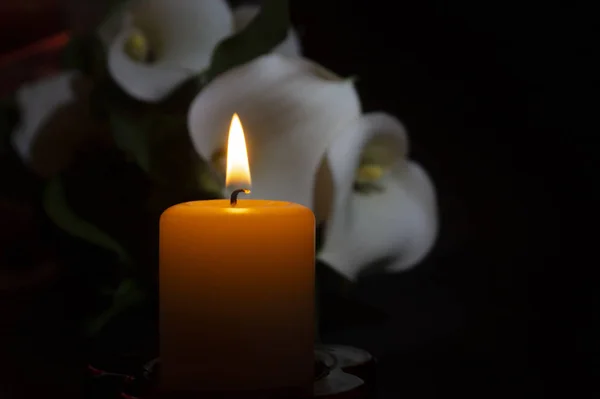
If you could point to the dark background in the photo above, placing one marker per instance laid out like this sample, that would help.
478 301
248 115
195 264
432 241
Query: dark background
494 95
497 98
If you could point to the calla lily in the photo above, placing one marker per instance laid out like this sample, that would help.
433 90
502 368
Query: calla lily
37 102
398 222
290 108
56 122
155 45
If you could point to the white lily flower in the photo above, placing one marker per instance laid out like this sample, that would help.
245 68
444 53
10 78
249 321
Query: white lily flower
295 114
37 103
290 108
398 223
161 43
155 45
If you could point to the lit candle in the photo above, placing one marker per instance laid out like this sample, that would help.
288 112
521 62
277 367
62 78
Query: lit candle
237 289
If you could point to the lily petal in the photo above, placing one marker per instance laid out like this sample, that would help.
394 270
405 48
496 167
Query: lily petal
422 233
399 223
290 109
37 102
343 157
337 382
144 82
244 14
183 34
188 30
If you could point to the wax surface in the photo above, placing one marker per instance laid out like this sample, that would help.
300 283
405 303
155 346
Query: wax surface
236 295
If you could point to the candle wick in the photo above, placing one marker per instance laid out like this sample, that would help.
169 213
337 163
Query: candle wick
234 195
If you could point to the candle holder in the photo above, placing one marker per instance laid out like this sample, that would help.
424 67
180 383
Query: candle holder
342 372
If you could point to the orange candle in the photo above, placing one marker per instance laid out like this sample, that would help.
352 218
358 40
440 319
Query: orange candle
237 290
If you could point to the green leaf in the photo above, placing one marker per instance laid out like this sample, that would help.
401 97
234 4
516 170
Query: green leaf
181 98
58 210
160 144
150 138
267 30
115 6
127 296
84 53
133 138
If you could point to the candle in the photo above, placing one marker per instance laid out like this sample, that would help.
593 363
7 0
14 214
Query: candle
237 289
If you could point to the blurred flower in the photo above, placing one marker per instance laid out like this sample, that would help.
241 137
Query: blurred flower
385 207
37 102
55 122
155 45
291 109
301 121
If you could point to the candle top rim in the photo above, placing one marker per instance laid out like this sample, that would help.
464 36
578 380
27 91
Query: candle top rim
244 206
242 203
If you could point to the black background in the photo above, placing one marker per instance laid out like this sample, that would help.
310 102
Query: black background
494 95
498 98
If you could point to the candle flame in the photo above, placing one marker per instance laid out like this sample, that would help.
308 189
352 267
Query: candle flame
238 169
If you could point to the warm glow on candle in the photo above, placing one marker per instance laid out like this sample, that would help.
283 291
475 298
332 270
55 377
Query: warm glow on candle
238 169
237 289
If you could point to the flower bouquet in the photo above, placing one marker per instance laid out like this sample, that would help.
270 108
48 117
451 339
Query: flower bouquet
136 121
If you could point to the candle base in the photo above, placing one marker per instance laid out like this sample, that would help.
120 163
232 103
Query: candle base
340 371
282 393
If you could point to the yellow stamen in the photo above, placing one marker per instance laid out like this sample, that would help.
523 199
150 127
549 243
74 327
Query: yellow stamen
137 47
369 173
